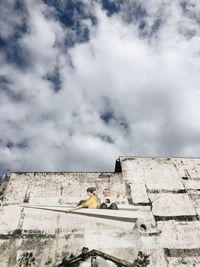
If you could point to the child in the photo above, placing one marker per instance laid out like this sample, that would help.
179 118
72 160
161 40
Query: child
109 200
92 202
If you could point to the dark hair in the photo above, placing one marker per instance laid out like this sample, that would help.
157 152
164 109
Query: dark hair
106 189
91 189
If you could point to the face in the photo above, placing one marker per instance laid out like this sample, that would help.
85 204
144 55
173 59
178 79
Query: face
89 194
106 192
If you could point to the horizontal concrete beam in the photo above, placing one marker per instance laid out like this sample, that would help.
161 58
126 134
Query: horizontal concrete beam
120 206
193 252
119 215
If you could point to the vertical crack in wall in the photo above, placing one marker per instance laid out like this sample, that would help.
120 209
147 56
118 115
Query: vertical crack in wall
129 193
61 188
57 231
21 220
26 197
28 194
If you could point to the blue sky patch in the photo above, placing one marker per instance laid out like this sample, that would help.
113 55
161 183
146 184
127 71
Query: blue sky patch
72 15
111 6
107 116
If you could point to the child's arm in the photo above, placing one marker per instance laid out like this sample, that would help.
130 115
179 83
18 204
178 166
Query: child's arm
84 205
76 208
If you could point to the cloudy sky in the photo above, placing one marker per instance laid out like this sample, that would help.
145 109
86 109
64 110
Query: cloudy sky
83 82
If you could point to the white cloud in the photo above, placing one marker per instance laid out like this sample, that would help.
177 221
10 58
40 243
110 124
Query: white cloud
148 85
8 23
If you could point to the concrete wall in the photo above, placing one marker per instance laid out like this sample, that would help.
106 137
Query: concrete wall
159 215
170 186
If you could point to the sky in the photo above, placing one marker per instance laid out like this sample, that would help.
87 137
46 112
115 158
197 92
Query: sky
84 82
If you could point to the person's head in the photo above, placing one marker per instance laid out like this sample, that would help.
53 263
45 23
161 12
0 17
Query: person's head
106 192
91 191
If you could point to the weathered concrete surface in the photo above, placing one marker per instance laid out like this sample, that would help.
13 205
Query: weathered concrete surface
155 173
172 205
135 183
57 188
179 235
159 214
172 187
58 235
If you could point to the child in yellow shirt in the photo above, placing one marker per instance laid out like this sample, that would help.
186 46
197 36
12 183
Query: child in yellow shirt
92 202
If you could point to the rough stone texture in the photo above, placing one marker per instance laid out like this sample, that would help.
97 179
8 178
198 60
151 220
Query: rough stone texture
57 188
156 174
170 205
158 215
172 187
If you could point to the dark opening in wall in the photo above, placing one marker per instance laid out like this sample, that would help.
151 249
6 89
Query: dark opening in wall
118 167
185 178
143 227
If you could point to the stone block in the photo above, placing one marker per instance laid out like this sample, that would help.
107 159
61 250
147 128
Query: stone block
172 206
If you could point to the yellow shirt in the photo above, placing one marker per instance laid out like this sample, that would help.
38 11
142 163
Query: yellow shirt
91 203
